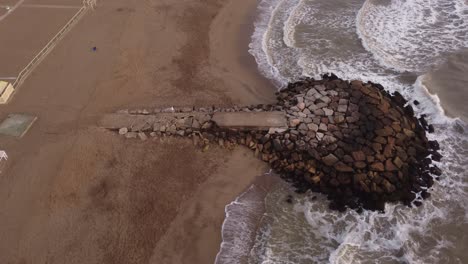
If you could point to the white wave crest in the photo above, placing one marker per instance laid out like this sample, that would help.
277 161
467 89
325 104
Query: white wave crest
240 226
413 35
262 47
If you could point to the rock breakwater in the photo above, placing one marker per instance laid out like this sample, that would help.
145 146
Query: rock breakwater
352 141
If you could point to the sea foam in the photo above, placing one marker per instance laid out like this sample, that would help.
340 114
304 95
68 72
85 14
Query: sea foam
413 35
394 44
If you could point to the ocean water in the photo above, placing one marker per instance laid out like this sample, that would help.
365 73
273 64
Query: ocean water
416 47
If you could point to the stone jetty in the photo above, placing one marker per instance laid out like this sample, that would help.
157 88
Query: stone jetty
352 141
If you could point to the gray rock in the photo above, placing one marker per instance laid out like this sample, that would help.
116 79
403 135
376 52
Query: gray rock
277 130
123 111
324 93
319 136
323 127
131 135
180 123
156 127
343 102
320 87
188 122
342 108
325 99
142 136
294 122
313 107
196 124
168 110
308 100
186 109
328 112
295 109
330 160
340 166
329 139
313 127
339 119
171 129
306 111
141 126
322 105
319 112
207 125
358 155
277 145
123 131
353 107
307 120
204 118
311 92
294 132
303 127
352 119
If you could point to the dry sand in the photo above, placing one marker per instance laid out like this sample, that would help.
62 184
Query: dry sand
74 193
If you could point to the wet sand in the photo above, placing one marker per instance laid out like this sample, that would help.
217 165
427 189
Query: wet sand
74 193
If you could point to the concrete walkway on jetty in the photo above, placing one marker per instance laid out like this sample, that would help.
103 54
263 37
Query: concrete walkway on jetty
228 120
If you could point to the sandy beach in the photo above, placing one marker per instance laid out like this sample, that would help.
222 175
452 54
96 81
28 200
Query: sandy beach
72 192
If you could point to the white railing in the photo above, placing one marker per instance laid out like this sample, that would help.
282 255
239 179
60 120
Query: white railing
48 47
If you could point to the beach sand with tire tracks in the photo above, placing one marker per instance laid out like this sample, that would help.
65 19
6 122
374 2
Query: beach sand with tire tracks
72 192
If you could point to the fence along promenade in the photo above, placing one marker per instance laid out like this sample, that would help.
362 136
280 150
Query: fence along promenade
87 4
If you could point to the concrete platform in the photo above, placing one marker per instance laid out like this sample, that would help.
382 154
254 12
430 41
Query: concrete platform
250 120
16 125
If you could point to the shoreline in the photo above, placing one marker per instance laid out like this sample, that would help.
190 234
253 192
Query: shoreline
202 243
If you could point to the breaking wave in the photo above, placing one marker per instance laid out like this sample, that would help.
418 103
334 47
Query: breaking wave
394 43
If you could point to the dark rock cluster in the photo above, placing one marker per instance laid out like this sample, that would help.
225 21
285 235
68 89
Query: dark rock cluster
352 141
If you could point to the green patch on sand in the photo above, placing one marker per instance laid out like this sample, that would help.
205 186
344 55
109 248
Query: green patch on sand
16 125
